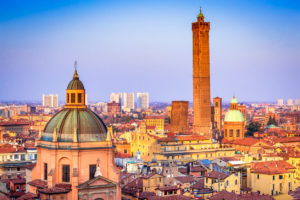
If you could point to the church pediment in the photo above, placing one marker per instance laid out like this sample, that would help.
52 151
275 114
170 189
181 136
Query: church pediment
97 182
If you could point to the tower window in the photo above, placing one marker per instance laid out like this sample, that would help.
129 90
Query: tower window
45 171
66 173
92 171
68 98
73 98
217 104
225 132
79 98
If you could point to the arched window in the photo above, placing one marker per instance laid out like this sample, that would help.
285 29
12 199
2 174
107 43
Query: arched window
217 104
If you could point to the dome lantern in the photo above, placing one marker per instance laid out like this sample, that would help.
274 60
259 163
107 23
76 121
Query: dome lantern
75 93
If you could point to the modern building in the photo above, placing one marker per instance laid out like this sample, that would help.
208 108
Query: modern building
179 116
86 99
128 101
234 126
201 77
143 100
280 102
290 102
116 97
50 100
75 153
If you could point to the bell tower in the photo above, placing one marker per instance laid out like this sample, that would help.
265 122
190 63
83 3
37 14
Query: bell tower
201 77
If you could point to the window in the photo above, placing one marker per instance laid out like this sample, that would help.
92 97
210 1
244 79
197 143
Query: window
79 98
225 132
273 178
236 182
238 133
230 133
217 104
68 98
125 151
66 173
92 171
280 177
18 169
257 176
16 156
22 156
73 98
45 171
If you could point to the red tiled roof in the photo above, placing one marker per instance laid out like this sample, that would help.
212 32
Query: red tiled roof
18 181
28 196
57 189
39 183
198 185
185 179
174 197
168 188
216 175
247 141
8 148
271 167
224 195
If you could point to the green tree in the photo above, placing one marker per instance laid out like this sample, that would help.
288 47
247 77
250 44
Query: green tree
272 121
252 128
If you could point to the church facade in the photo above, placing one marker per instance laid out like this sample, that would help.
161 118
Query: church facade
75 154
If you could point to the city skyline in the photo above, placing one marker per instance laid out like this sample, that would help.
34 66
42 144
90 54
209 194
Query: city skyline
53 35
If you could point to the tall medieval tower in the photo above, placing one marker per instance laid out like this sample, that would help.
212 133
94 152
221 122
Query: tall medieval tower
201 77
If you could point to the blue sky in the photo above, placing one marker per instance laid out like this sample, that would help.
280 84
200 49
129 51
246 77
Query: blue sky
136 46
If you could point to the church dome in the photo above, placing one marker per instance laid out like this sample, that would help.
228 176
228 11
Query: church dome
234 116
75 123
79 124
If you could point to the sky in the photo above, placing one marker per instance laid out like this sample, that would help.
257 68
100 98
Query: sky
146 46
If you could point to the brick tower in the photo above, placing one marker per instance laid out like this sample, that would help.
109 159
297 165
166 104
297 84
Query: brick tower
179 116
201 77
217 102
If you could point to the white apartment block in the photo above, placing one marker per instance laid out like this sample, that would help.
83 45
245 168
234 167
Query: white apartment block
128 101
143 100
50 100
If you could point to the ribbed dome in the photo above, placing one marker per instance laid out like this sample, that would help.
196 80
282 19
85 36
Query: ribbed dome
87 124
234 116
75 83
